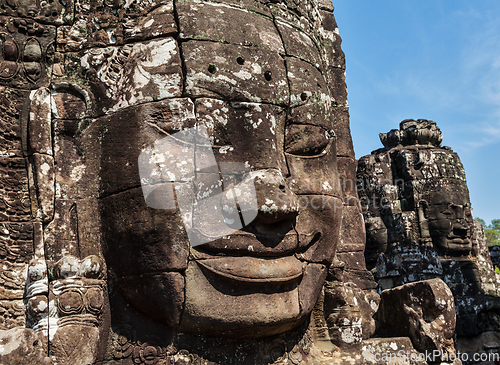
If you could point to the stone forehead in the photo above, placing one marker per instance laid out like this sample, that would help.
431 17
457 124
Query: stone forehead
134 65
282 61
446 191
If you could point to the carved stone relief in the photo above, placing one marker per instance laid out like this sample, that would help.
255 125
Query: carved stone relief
177 185
419 224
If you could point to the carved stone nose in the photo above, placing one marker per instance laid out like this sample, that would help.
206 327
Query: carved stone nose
276 201
461 228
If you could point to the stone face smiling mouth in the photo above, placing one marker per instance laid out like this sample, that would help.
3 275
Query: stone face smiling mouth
245 258
255 270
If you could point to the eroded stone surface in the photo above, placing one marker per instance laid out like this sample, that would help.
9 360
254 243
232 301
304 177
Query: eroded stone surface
235 73
22 346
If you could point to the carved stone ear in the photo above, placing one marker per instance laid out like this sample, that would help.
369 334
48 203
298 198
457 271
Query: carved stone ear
64 101
422 206
41 154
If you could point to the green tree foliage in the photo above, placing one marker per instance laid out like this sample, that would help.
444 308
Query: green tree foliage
492 231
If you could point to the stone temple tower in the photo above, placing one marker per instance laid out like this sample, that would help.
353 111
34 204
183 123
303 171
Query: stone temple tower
419 225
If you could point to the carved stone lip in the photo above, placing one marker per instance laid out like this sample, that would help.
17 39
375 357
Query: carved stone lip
259 230
254 269
254 245
459 241
459 245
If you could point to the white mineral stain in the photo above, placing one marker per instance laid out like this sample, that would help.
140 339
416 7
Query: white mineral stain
111 35
42 306
228 6
225 149
244 75
45 168
255 125
77 172
348 336
256 69
87 266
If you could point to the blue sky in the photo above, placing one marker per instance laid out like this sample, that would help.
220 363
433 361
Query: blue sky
429 59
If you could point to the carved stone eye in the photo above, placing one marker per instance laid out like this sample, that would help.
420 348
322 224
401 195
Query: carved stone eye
306 140
448 211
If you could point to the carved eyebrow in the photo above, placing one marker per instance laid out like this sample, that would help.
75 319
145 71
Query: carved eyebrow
329 130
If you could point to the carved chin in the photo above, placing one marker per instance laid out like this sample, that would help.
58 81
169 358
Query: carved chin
459 245
237 297
242 303
454 245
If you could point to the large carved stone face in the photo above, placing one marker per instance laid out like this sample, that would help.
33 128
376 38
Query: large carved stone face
450 221
264 121
107 81
260 279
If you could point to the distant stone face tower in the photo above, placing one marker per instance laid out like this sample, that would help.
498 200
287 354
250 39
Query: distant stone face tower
419 223
414 191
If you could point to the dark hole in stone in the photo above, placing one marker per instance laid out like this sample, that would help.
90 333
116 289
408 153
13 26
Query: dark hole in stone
54 14
303 96
212 69
35 343
267 75
282 188
240 60
319 86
